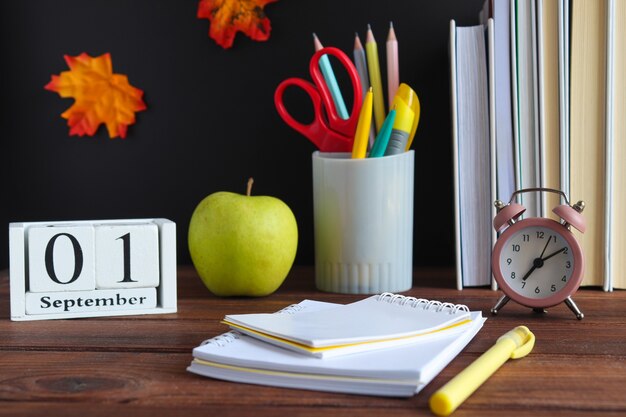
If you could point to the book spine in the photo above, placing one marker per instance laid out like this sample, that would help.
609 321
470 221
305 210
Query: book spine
607 284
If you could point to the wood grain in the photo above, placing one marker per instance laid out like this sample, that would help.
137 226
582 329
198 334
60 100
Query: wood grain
136 364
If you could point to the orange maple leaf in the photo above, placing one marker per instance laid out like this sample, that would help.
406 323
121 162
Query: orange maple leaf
100 96
229 16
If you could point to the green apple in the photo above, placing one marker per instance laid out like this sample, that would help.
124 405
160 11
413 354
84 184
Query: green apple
242 244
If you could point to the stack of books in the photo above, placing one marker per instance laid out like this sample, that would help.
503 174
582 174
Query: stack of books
538 100
386 345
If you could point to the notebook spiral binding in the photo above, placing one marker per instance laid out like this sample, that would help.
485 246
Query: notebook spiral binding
294 308
222 339
437 306
231 336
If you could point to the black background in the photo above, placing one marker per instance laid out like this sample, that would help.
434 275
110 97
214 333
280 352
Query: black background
211 121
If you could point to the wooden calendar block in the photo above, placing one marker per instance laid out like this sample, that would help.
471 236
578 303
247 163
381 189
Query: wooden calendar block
127 255
92 268
61 258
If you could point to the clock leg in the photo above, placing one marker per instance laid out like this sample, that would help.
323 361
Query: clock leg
572 306
501 302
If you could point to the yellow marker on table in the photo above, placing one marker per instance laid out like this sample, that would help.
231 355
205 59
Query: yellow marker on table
514 344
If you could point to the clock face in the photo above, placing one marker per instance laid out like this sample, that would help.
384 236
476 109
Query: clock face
537 262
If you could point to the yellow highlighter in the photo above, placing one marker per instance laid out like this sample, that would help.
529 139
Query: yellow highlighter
408 96
514 344
401 128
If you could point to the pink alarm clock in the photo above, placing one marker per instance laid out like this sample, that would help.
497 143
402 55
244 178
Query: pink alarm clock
537 261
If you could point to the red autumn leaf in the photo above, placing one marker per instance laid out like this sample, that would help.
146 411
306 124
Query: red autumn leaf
100 96
229 16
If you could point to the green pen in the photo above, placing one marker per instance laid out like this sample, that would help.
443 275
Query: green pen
382 139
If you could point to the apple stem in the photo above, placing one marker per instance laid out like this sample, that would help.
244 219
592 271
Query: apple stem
249 189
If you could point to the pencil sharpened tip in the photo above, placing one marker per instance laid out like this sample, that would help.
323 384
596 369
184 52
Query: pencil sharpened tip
357 42
369 27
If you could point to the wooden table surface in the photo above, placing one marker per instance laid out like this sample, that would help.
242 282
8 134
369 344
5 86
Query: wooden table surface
136 365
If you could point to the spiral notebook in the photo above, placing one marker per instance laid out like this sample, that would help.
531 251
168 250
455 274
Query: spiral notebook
376 322
399 371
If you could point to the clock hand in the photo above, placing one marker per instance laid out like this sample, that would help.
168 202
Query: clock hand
545 247
538 262
553 254
530 271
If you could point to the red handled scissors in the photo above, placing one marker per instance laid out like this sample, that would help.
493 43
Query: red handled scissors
328 131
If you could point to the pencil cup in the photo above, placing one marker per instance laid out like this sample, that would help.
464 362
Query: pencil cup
363 217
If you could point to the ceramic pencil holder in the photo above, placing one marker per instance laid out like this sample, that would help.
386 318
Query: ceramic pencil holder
363 222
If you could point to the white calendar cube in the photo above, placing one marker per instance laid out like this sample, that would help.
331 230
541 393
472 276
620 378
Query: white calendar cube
127 255
92 268
61 258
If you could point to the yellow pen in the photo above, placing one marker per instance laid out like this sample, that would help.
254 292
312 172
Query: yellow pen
359 148
514 344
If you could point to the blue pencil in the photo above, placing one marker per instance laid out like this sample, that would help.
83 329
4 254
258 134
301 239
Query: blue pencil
331 81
